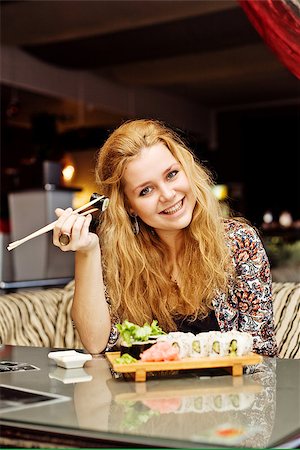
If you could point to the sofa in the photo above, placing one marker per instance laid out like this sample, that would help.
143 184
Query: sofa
42 318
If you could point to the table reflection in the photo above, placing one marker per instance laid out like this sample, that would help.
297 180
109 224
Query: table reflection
236 411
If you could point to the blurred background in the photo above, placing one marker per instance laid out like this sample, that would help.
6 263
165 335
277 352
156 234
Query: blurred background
72 71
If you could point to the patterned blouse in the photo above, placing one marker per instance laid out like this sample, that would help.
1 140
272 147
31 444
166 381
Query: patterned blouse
247 306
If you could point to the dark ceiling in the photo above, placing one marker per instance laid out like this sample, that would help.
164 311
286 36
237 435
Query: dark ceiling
202 50
193 35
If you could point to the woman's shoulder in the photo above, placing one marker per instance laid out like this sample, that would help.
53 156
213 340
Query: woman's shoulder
239 227
244 243
240 235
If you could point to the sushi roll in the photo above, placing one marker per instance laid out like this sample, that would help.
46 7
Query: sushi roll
173 335
199 345
238 343
183 346
179 340
217 345
231 343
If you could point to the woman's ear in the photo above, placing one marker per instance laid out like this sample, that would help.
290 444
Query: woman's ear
129 210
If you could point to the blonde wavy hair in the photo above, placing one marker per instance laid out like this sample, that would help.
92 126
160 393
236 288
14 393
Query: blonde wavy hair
135 266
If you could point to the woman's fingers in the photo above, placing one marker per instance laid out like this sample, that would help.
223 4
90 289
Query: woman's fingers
85 235
75 226
60 211
63 215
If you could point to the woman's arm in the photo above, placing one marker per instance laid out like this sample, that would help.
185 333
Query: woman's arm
90 311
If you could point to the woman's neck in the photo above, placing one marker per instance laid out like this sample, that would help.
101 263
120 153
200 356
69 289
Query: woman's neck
174 243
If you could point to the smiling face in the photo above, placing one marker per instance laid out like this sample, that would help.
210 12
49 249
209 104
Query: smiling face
158 190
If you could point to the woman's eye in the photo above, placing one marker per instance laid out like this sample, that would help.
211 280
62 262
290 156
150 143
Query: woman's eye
145 191
172 174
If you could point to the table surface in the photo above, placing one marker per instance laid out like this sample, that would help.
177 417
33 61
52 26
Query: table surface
197 409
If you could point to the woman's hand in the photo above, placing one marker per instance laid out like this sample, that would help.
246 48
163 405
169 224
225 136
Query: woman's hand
77 227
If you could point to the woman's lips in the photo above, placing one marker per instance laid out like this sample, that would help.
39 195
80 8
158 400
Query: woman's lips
174 209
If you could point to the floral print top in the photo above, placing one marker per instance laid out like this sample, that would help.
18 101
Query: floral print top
248 305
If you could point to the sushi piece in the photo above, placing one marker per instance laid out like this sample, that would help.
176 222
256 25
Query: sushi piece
238 343
178 340
217 345
183 347
199 345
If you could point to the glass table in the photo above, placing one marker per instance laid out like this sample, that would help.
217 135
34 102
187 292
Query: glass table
199 409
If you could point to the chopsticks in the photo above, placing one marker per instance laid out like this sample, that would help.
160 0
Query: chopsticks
51 225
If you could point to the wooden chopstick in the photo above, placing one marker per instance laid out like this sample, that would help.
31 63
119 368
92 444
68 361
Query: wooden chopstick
51 225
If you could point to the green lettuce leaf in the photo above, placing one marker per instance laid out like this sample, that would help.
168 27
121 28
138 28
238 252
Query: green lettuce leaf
130 332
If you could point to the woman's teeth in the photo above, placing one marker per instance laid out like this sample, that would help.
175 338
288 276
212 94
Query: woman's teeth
174 208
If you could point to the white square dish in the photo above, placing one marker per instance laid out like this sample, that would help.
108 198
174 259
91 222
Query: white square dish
69 359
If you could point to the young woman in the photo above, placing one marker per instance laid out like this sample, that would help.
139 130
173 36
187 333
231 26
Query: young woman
163 250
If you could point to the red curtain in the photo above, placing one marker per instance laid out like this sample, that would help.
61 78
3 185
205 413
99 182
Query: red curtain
278 23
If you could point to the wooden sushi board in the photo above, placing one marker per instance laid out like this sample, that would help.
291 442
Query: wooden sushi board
140 368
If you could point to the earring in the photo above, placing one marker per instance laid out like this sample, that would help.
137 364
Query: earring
135 224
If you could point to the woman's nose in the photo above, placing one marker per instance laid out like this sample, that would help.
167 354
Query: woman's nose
166 193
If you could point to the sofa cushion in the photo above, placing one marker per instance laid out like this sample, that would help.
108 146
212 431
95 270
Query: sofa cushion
39 318
66 336
29 317
286 301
